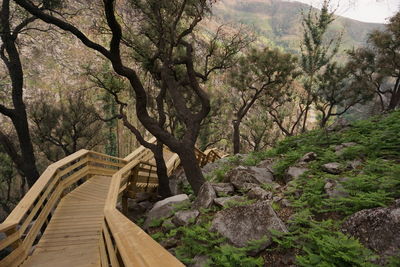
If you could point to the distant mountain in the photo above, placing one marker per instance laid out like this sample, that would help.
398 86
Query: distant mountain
279 22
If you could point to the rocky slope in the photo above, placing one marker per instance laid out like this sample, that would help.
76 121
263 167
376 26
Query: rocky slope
326 198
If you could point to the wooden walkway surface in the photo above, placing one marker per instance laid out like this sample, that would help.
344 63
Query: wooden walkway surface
73 234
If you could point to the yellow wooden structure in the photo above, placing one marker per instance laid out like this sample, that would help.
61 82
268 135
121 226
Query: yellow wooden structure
70 218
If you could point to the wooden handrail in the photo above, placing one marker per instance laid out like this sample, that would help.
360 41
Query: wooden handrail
123 242
43 197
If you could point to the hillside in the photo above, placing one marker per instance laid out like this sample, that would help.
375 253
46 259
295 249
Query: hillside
326 198
279 21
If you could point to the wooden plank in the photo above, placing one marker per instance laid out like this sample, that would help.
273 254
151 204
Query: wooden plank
110 247
135 246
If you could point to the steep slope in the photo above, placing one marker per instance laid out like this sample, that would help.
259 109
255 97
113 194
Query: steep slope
279 21
324 198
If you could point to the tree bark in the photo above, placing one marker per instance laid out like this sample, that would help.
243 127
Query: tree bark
26 161
191 167
163 180
236 136
395 99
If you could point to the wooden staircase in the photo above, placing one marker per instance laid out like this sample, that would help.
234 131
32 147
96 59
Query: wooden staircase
69 216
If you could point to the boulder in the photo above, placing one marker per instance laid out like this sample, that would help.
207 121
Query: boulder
205 197
267 164
259 194
294 172
332 168
335 189
242 224
241 175
185 217
378 229
223 189
340 148
224 201
310 156
211 167
164 208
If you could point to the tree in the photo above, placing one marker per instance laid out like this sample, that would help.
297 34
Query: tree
62 128
378 65
316 51
12 24
338 91
259 131
259 73
160 37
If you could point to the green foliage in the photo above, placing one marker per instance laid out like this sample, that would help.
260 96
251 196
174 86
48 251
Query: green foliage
321 244
185 205
282 165
199 240
156 222
229 256
196 240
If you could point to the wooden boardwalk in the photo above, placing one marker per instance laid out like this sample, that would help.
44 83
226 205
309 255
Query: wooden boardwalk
81 222
72 237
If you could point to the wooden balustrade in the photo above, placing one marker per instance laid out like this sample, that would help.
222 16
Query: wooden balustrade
123 243
30 217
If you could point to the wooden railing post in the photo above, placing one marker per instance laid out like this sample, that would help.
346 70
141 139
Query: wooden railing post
10 232
125 195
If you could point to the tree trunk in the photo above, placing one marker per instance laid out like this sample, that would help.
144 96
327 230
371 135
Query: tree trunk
163 190
236 136
28 157
395 99
192 169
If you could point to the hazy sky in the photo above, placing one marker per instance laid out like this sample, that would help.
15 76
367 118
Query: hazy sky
363 10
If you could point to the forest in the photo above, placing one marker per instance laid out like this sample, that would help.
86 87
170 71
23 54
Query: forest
107 76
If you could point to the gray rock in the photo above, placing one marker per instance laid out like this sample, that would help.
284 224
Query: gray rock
339 149
310 156
211 167
285 202
355 164
168 225
294 172
185 217
242 224
205 197
169 243
248 186
224 201
267 164
378 229
223 189
143 196
335 189
332 167
259 194
146 205
164 208
176 183
241 175
199 261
